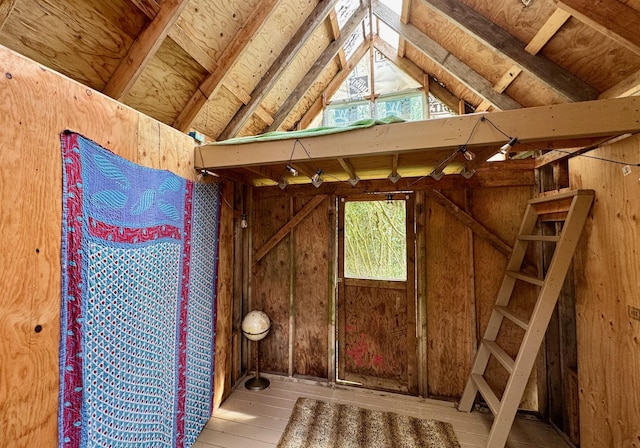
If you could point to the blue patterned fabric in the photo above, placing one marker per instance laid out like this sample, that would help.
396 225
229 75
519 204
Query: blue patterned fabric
139 262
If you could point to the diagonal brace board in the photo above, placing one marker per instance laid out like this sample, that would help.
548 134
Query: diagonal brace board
288 227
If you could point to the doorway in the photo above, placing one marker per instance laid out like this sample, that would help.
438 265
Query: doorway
376 335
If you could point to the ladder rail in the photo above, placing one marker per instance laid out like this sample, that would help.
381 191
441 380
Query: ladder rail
520 370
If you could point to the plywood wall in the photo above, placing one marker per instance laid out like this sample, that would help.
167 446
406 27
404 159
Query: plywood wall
37 106
460 274
607 267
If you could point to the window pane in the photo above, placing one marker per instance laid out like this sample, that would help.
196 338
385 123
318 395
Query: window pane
375 243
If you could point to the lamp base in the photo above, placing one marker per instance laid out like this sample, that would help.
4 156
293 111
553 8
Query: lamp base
257 383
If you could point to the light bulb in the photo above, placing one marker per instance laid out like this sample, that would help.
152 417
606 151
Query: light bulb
292 170
466 153
316 176
507 146
243 222
389 198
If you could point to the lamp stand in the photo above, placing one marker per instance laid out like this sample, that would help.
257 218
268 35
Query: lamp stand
257 382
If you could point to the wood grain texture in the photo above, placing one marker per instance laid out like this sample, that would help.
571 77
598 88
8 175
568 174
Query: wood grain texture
271 282
166 85
607 276
448 302
38 104
501 209
376 332
510 48
83 40
143 49
311 243
224 298
213 117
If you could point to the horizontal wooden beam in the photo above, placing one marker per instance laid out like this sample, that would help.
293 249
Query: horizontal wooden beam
555 126
288 227
441 56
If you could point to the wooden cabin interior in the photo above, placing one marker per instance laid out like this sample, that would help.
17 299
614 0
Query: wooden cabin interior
167 83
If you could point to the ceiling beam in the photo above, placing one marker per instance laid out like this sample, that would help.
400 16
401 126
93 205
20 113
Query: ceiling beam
143 49
555 126
441 56
313 20
503 44
318 66
214 81
547 31
265 172
614 19
334 84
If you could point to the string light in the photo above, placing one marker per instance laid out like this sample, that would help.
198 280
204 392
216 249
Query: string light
243 222
389 198
504 149
466 153
292 170
316 180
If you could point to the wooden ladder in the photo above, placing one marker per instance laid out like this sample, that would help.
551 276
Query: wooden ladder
571 207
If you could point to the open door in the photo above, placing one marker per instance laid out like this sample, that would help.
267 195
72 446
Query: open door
376 292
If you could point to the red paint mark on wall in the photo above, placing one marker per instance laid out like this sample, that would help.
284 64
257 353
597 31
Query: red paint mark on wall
359 350
377 360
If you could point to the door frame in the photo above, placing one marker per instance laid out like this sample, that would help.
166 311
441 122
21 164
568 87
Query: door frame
411 296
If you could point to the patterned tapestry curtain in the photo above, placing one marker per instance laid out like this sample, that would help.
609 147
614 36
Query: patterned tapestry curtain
139 261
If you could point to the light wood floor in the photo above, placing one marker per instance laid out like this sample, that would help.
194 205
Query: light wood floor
257 419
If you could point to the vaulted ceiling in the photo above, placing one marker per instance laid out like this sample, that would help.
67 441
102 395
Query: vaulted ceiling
231 68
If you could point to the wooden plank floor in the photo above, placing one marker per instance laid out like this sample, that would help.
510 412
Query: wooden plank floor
257 419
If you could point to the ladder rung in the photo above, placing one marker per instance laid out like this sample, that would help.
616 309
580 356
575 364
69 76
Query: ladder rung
486 392
561 196
526 278
545 238
520 322
502 356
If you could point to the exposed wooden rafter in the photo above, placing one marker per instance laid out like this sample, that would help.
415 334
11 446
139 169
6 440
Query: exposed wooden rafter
404 18
573 124
507 46
416 73
143 49
614 19
318 67
315 18
335 30
213 82
334 84
441 56
265 172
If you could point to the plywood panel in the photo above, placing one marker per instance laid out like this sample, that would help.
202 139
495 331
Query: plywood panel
448 306
83 40
501 211
376 332
213 24
224 299
166 84
311 243
607 277
37 105
590 55
271 280
161 147
299 67
267 44
312 95
217 113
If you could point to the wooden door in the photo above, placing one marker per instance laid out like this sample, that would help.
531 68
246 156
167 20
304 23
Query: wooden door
376 315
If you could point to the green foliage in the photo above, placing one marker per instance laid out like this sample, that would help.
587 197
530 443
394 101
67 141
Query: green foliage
375 240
